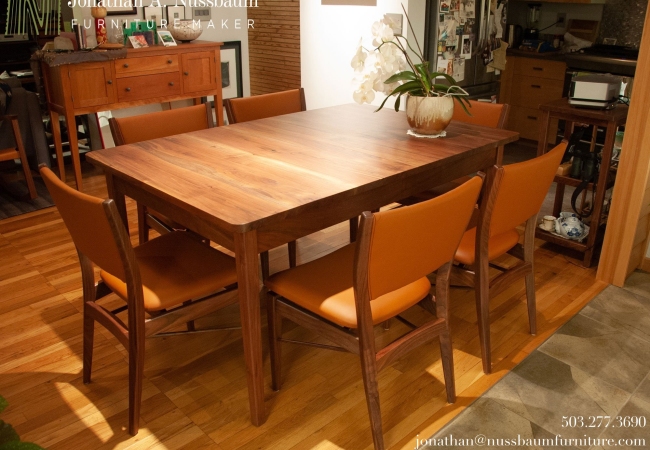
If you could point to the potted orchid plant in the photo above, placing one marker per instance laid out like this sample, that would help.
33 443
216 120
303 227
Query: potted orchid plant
390 69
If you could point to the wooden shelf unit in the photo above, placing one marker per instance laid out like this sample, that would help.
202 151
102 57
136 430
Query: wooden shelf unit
610 120
147 75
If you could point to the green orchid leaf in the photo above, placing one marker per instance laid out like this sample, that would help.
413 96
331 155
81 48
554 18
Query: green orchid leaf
7 434
449 78
422 70
397 102
411 86
3 403
460 100
401 76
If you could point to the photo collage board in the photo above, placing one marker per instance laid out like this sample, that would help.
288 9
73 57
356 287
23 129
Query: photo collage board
456 25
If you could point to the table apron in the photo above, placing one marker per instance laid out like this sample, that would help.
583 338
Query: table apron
317 215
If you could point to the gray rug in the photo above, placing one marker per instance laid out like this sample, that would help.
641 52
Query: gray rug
15 201
596 365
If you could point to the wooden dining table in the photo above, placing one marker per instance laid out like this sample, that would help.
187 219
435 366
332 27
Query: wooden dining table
256 185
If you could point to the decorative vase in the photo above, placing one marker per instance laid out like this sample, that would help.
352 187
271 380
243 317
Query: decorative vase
99 13
429 115
185 30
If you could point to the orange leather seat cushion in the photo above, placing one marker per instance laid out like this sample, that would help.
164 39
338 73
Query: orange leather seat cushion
497 246
175 268
324 287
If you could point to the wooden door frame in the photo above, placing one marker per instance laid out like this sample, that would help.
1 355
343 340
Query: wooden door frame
626 239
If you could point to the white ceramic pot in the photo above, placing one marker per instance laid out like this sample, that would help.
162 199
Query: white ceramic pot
429 115
185 30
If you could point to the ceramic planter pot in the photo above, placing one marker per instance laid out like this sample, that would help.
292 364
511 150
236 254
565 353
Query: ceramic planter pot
429 115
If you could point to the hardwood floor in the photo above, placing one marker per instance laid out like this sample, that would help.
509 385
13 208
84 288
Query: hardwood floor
194 393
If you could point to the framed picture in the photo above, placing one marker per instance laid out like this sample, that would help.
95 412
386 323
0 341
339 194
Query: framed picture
166 38
231 71
175 13
154 14
121 10
466 48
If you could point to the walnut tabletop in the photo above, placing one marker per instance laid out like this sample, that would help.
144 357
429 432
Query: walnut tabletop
256 185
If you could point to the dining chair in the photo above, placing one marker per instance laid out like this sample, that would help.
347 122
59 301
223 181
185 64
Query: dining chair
144 127
515 194
257 107
18 152
344 294
164 282
493 115
262 106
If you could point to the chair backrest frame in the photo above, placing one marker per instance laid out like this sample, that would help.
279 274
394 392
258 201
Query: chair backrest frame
362 273
493 186
232 105
116 125
500 123
135 293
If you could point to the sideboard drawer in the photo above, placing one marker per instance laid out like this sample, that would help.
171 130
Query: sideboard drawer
148 86
533 67
530 92
146 65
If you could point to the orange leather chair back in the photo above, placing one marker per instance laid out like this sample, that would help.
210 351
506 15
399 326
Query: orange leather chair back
494 115
86 218
266 105
411 242
522 189
129 130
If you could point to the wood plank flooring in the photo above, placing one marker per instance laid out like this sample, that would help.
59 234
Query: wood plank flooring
195 394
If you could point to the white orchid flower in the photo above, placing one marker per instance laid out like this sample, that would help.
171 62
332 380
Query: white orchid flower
359 59
362 97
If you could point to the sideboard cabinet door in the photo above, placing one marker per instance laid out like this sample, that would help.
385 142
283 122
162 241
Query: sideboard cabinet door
92 84
199 71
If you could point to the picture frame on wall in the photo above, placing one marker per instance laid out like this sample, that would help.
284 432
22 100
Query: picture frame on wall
231 70
174 13
121 10
154 14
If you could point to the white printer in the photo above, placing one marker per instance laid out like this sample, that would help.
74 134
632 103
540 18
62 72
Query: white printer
595 91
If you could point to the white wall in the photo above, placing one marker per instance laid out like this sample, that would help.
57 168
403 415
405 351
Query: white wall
329 36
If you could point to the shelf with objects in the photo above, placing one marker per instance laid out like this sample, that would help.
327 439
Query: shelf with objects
596 181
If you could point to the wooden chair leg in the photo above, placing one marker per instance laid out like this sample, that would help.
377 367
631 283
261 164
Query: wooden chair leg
482 292
88 341
354 228
443 277
23 160
529 249
446 353
292 253
143 228
136 374
369 372
275 349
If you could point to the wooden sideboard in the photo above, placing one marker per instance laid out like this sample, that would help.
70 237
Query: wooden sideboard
147 75
525 84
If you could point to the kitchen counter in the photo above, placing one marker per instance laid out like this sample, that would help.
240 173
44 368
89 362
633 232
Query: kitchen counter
548 56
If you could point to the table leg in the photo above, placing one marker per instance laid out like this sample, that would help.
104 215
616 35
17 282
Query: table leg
74 147
58 146
118 198
249 305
